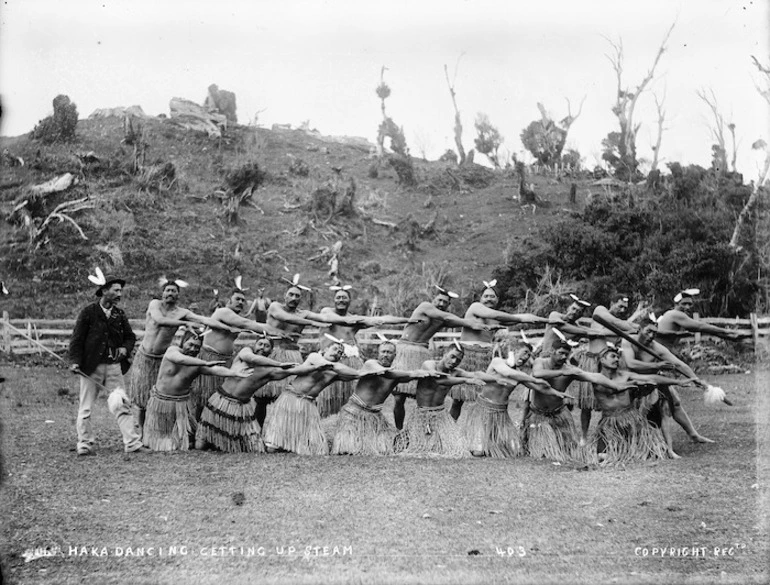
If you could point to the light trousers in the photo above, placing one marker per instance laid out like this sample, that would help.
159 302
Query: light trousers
110 377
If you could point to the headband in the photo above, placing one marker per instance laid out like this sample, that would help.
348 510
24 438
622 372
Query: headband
163 282
449 293
295 282
688 292
579 301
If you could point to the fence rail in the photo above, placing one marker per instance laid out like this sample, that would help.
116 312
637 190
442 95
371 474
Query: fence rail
17 335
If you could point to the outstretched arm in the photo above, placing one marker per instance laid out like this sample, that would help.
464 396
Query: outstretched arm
230 317
686 322
508 318
209 322
604 314
603 380
224 372
154 312
251 358
636 365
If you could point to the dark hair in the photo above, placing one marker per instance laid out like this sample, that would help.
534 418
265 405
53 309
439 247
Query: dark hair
387 342
188 334
560 343
618 296
645 321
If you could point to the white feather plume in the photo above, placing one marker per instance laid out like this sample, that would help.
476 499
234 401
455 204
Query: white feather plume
490 284
99 279
713 394
334 339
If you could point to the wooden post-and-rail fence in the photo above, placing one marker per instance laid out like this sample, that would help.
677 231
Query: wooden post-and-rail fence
17 335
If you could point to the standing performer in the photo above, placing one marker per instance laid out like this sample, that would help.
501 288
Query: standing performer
623 433
259 306
99 348
170 423
548 428
412 349
489 430
678 321
568 327
220 344
665 404
229 421
478 344
162 319
361 428
335 395
429 429
291 320
293 423
588 360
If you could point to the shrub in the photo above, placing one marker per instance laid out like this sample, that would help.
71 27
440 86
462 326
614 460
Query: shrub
654 250
60 127
299 168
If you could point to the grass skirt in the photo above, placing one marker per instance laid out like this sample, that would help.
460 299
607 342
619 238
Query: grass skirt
588 362
431 431
627 437
362 430
477 358
657 404
204 386
168 423
335 396
293 424
489 429
409 356
230 425
276 387
551 434
144 374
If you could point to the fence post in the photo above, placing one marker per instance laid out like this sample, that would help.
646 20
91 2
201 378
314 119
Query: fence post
755 331
6 332
697 333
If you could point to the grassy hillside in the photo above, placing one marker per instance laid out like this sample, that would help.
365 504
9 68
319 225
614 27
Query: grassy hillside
142 228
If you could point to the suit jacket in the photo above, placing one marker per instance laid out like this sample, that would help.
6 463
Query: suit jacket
95 335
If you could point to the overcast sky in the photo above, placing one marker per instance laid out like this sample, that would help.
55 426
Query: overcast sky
320 61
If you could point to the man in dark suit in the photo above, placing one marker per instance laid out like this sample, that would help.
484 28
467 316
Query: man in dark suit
100 347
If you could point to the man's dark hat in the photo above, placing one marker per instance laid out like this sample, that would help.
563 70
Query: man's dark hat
110 280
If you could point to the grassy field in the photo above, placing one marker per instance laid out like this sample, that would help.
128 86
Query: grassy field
293 519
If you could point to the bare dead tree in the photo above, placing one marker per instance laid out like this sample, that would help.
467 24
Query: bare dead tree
458 123
717 129
759 185
569 119
661 120
733 160
626 100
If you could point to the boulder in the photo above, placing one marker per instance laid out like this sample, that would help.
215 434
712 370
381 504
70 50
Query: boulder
190 115
120 112
222 102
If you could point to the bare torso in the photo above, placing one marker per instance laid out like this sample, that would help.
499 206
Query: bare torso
175 379
560 383
423 331
312 384
478 337
157 338
374 390
431 392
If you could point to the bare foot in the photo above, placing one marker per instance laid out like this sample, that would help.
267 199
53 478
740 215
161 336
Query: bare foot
700 439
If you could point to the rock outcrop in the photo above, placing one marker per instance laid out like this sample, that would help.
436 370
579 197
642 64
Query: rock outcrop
190 115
